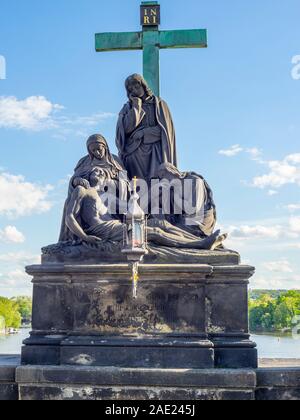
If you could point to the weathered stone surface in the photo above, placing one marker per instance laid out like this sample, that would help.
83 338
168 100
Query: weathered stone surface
41 355
112 376
277 394
185 316
226 295
8 386
81 255
92 383
52 383
278 384
82 393
8 364
190 356
227 358
278 377
8 392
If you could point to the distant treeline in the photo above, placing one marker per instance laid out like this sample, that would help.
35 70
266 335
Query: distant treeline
274 310
15 311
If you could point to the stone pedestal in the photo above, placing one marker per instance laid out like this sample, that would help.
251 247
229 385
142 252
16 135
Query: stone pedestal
186 316
278 380
115 384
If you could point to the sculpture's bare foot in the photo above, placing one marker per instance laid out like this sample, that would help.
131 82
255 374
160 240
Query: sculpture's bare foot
206 243
219 241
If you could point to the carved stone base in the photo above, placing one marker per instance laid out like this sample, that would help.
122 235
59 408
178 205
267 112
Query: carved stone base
110 253
185 316
92 383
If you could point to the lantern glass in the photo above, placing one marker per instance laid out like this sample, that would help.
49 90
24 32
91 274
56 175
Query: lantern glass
138 235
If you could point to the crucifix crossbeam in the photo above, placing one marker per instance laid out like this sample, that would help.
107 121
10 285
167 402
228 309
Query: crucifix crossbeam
151 40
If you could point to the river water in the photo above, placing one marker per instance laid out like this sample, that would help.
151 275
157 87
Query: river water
278 346
11 344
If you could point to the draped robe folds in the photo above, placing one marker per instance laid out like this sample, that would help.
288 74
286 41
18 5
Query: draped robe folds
85 166
157 143
195 195
205 217
160 232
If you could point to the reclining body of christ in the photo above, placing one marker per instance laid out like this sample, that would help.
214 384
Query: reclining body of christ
88 219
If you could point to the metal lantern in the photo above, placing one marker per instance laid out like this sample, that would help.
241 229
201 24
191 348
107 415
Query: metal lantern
135 235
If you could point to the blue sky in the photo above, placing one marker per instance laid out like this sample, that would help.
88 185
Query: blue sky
235 107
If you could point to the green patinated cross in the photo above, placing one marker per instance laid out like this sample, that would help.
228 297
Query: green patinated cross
151 40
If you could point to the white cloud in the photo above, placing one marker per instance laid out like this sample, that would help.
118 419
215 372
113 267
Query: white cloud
255 153
295 224
15 283
88 121
11 235
271 193
288 245
282 266
70 126
232 151
37 113
33 113
236 149
281 173
22 258
275 282
15 277
278 232
293 207
293 158
255 232
22 198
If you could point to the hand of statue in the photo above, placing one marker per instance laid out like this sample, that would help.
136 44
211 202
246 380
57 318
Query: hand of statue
93 240
136 102
80 182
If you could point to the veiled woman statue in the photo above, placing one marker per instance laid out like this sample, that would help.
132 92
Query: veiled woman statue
99 156
145 131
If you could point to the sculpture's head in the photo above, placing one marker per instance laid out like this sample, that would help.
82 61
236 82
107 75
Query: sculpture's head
168 171
137 86
97 146
97 177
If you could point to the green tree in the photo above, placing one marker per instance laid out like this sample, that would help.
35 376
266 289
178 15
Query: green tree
273 311
24 305
282 316
9 311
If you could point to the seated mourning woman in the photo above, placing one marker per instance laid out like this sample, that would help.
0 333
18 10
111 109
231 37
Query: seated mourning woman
88 220
99 157
192 195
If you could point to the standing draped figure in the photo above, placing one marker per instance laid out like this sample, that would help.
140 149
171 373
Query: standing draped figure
145 131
